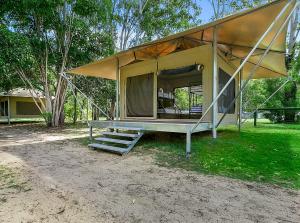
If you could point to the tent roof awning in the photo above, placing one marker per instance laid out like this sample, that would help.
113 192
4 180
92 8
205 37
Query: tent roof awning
238 33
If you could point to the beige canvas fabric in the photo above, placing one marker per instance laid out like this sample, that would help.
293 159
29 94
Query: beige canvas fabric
237 34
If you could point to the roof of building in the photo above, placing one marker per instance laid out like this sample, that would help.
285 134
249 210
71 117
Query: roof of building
22 92
236 35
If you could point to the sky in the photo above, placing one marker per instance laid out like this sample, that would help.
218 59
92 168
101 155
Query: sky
207 11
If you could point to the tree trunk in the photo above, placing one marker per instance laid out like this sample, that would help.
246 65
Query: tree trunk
58 105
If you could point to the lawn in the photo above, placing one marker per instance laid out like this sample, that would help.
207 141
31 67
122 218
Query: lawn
268 153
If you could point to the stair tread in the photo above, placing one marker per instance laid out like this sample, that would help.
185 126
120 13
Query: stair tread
125 128
108 148
126 142
120 134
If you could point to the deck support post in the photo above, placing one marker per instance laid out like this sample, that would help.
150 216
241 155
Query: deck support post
117 89
188 144
241 100
214 84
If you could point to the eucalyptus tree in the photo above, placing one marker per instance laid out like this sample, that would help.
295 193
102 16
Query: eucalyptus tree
140 21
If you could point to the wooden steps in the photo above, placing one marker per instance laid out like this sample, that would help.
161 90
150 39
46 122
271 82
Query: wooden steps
121 140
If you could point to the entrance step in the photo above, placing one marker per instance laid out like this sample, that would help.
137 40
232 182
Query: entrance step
109 139
108 148
125 128
119 141
121 134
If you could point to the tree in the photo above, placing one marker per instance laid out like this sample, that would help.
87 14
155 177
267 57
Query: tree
61 34
222 8
51 28
140 21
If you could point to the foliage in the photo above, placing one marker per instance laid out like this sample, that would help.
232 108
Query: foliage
140 21
60 35
268 153
222 8
182 98
258 91
15 57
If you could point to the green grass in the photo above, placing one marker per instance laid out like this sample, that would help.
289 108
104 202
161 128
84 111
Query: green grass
10 179
269 153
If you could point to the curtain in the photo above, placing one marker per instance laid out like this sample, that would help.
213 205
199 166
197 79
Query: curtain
139 95
228 95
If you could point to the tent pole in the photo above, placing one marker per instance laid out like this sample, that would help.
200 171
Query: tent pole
214 84
117 89
244 62
241 100
253 70
188 144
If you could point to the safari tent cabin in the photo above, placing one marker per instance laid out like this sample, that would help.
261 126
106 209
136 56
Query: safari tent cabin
19 104
191 81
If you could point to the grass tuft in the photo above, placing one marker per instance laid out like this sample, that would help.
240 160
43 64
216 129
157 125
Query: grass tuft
9 180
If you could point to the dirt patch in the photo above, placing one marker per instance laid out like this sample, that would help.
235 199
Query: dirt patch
69 183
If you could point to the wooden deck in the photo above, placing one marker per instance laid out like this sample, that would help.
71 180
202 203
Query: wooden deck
157 125
151 125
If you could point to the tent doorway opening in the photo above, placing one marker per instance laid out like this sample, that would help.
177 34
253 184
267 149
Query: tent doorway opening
180 94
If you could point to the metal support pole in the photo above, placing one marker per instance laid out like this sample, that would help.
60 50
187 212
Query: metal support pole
241 100
8 110
117 89
244 62
214 84
188 144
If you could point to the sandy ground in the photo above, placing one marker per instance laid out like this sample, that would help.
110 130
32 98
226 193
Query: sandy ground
67 182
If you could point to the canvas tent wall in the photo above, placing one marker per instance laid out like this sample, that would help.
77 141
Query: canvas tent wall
19 104
198 55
